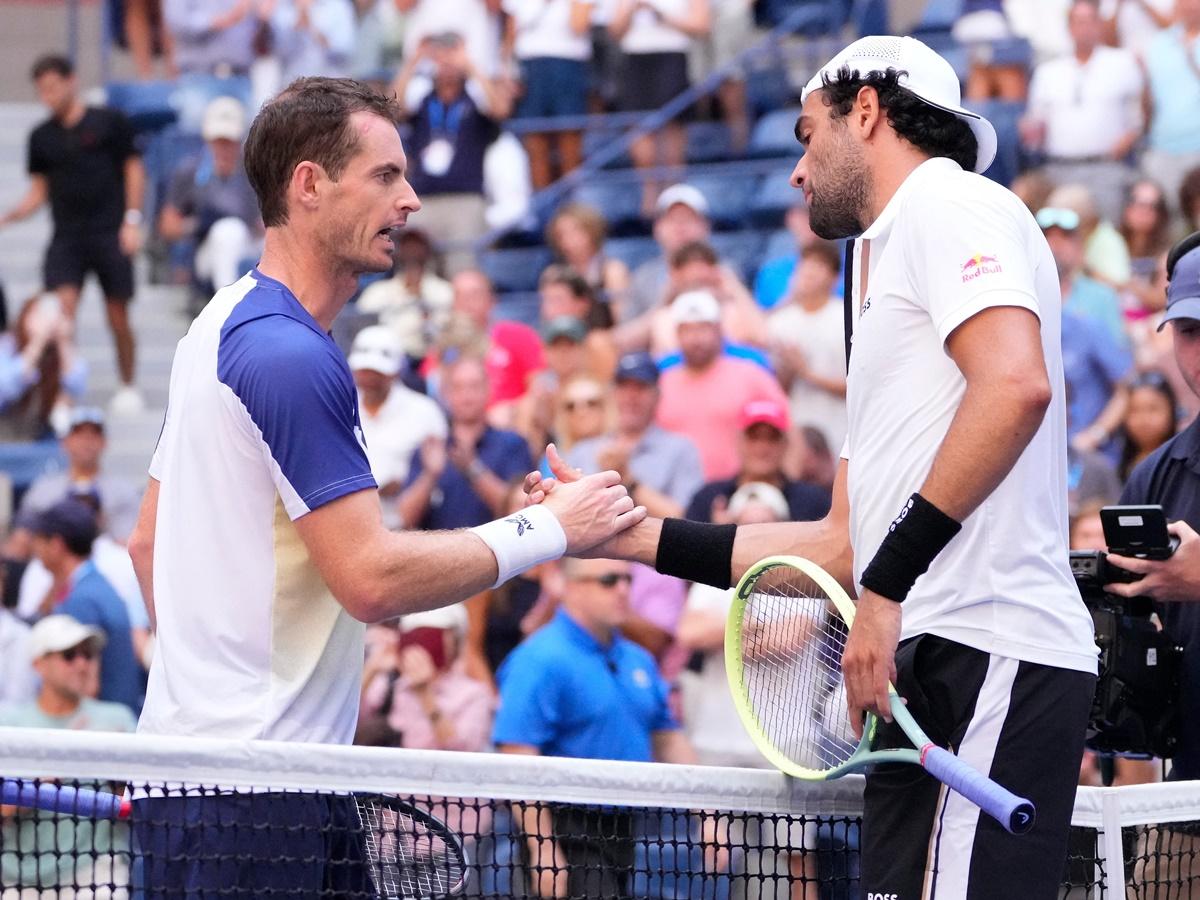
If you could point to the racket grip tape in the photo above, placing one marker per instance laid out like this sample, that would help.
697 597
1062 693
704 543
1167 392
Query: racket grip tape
1015 813
63 799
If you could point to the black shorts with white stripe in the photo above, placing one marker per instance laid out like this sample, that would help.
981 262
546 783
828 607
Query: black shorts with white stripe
1020 722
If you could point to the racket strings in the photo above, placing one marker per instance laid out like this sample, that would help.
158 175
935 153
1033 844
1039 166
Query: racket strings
406 858
792 644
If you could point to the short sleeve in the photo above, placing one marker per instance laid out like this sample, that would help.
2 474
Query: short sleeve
528 712
299 395
37 163
122 140
968 253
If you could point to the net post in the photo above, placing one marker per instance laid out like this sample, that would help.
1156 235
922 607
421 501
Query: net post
1113 854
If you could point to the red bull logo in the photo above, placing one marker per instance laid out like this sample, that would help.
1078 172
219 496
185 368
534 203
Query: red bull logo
980 264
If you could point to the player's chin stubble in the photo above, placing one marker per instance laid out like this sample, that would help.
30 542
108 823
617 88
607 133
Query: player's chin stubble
840 199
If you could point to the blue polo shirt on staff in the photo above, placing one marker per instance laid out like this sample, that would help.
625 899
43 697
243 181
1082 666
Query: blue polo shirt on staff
567 694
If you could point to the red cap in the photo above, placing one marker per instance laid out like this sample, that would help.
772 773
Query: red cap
769 411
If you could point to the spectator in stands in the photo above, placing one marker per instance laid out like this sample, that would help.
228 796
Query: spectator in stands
775 274
146 38
566 293
1133 24
38 594
414 684
396 420
696 267
661 469
475 22
731 34
1151 419
1105 256
1085 113
656 37
213 37
564 344
810 458
1173 95
466 479
40 371
704 397
18 682
83 161
62 540
452 117
680 217
808 344
72 854
982 25
1091 479
762 445
576 235
1064 230
313 37
83 445
514 351
1189 199
551 42
578 688
1146 229
210 201
415 301
584 411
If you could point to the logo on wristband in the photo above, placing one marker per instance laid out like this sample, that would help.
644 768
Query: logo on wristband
522 522
900 518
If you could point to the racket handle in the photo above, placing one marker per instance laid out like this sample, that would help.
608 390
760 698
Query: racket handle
63 799
1015 813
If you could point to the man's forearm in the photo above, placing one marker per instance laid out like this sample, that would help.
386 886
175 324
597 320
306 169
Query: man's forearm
135 183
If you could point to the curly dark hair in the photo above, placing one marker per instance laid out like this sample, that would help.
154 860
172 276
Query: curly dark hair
928 128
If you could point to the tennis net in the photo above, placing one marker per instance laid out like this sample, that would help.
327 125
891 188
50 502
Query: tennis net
252 819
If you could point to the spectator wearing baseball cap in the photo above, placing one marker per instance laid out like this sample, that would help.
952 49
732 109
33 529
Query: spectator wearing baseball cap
65 655
704 396
763 429
566 293
395 419
83 444
211 208
62 540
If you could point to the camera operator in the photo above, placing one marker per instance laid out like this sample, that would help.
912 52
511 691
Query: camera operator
1170 477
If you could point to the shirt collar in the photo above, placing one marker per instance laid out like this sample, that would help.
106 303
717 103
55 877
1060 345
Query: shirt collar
931 168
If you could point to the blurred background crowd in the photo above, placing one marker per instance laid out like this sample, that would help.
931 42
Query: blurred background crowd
609 257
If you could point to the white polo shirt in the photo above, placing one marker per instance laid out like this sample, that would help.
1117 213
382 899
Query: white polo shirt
1087 107
261 428
948 245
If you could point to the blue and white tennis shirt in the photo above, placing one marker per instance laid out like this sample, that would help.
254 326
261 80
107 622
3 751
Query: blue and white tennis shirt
262 427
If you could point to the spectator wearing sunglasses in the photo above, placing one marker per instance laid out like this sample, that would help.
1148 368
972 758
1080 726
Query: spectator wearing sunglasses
66 656
577 688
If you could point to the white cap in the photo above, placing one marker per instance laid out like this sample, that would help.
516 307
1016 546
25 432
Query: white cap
922 71
684 194
763 494
377 348
224 118
54 634
695 306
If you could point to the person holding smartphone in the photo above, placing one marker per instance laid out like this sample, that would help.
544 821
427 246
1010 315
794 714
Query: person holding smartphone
1170 477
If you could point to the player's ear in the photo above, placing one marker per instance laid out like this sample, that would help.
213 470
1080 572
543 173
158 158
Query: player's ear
866 115
305 186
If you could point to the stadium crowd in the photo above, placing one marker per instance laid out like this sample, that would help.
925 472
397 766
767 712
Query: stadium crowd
712 380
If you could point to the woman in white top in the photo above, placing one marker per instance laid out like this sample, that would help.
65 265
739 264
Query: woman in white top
656 36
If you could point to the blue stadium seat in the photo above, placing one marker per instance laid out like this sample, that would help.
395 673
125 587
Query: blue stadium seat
728 197
708 142
1004 115
669 862
741 249
779 243
147 104
938 15
620 202
773 198
633 251
515 270
519 306
775 134
767 90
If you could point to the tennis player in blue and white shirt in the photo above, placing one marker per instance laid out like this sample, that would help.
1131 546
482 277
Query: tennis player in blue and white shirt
260 545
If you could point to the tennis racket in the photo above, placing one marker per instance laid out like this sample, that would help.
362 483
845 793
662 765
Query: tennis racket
410 855
783 654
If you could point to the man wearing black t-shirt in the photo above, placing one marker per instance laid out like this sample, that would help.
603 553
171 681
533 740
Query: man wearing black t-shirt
83 161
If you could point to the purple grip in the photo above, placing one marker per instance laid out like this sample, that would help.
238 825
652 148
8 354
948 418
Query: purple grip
1015 813
62 799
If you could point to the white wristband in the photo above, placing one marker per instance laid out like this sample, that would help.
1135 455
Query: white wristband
523 540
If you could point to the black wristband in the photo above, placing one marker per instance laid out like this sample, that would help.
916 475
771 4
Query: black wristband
913 541
696 551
